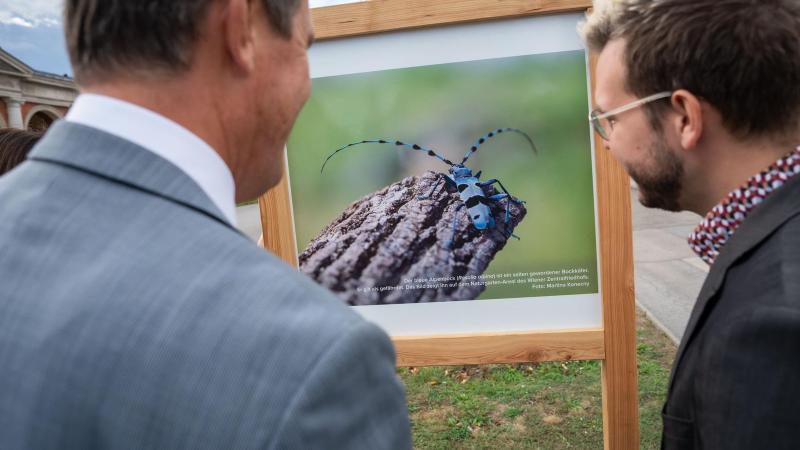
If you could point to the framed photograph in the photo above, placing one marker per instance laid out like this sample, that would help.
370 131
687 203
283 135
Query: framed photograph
463 206
515 90
422 114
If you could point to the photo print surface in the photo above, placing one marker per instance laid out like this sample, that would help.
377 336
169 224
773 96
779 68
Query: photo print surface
404 219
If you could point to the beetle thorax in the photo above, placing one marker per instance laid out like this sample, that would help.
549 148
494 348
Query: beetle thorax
460 171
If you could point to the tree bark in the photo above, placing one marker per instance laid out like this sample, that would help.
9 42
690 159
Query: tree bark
390 247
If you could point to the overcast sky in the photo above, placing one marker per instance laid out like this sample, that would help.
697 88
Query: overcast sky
31 30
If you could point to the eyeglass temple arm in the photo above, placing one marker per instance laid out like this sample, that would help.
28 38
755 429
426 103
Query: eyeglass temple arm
631 105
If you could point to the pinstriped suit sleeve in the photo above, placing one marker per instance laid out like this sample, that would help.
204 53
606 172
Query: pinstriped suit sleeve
351 399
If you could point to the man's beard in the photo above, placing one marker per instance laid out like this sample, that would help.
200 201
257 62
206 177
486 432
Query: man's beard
661 187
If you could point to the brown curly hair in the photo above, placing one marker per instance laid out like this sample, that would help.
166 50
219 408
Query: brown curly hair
14 147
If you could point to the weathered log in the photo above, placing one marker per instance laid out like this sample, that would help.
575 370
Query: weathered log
390 247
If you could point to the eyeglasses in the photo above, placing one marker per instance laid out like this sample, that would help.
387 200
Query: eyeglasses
603 126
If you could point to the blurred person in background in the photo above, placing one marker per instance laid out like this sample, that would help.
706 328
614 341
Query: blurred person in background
14 147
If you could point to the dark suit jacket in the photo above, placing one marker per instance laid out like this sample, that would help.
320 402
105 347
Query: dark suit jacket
736 379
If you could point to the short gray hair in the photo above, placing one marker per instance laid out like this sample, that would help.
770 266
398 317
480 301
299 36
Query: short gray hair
144 37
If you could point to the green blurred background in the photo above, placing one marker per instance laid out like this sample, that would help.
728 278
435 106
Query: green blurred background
447 107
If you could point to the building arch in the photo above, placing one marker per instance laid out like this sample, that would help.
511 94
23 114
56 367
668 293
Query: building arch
40 117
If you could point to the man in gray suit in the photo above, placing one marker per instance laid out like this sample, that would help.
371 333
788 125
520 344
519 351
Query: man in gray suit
132 313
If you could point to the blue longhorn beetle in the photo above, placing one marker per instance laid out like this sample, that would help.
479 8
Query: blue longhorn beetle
469 186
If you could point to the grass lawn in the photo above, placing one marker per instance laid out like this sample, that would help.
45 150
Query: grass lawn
531 406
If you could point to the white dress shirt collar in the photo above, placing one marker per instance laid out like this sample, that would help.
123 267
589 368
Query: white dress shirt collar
166 139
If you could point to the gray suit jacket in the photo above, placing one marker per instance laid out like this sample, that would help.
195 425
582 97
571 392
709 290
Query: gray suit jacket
735 379
133 316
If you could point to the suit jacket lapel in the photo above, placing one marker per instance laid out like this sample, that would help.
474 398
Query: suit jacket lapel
778 208
94 151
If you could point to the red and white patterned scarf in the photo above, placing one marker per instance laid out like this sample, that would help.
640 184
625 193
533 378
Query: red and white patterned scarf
722 221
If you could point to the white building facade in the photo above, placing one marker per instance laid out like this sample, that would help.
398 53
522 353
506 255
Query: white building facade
30 99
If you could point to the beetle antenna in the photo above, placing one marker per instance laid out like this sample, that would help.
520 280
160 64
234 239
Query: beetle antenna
492 134
396 143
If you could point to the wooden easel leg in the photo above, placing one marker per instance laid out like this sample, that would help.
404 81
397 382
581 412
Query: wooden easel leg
277 222
619 372
620 408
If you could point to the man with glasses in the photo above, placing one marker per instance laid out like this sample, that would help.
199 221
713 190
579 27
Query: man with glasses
699 100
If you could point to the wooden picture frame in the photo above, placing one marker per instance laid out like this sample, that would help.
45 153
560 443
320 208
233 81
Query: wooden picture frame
615 343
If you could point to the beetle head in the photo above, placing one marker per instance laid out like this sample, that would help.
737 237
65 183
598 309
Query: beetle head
460 171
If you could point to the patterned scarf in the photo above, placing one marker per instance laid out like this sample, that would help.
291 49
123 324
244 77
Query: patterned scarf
722 221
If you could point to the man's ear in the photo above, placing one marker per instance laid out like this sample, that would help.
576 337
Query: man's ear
688 120
239 34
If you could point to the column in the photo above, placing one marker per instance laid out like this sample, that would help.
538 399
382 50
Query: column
14 107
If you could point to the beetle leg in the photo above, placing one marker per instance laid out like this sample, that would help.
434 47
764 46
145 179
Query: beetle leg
449 181
509 198
497 198
493 181
449 243
425 197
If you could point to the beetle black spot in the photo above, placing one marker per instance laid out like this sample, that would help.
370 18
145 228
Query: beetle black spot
491 134
448 162
431 153
474 148
416 147
476 217
382 141
398 143
462 187
473 201
481 141
499 130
